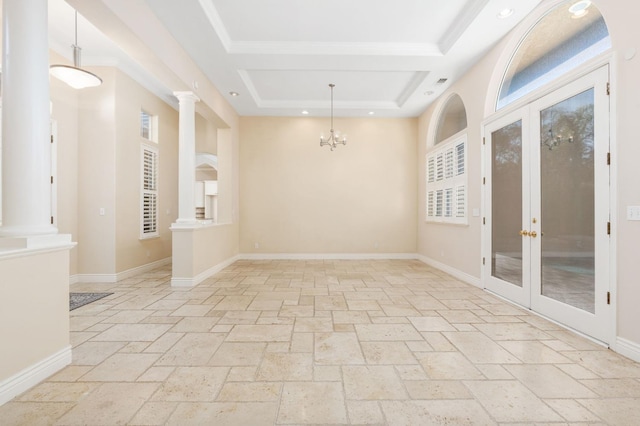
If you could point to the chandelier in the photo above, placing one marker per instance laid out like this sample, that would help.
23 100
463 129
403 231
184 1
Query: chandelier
334 138
552 141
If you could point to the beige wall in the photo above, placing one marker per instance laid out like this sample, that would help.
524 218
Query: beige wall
625 36
459 247
64 111
296 197
34 309
206 135
197 250
99 168
96 176
130 250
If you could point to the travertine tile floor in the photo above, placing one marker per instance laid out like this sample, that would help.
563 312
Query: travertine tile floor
324 342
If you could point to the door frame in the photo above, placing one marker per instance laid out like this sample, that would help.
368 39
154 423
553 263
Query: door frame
608 59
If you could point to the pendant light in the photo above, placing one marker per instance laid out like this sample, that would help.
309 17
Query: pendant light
75 76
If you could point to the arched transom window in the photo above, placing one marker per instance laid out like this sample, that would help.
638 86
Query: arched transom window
565 38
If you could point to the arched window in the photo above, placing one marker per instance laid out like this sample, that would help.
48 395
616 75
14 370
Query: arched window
565 38
453 119
447 166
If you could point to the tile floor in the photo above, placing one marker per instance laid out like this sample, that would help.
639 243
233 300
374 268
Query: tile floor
324 342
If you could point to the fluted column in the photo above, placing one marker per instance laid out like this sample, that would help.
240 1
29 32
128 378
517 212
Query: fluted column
186 157
26 151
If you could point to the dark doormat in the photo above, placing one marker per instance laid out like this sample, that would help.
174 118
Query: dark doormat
77 300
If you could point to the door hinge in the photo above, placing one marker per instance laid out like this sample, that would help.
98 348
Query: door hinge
608 228
484 181
51 138
484 141
608 298
483 260
52 220
484 220
608 88
608 158
52 180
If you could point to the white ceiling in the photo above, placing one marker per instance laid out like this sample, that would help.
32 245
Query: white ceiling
280 55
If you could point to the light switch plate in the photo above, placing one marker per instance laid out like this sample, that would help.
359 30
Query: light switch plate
633 212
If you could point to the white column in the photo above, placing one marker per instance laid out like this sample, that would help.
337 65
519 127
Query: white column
186 157
26 156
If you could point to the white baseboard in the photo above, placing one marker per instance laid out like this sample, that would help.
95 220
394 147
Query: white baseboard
33 375
456 273
190 282
628 348
327 256
95 278
113 278
142 269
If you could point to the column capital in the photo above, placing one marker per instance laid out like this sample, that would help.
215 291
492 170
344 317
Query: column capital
186 96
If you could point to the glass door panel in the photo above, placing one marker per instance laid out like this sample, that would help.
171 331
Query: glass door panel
570 193
507 259
506 203
567 201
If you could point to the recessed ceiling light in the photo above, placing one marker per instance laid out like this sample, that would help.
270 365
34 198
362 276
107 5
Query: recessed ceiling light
305 112
505 13
372 113
579 9
234 94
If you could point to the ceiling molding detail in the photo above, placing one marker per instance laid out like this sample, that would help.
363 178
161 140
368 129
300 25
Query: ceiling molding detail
413 85
462 23
310 48
385 57
350 49
215 20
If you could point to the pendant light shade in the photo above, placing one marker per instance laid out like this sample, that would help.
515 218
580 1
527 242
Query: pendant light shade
74 75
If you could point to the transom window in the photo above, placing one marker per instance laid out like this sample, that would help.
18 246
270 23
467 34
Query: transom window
452 120
148 126
579 34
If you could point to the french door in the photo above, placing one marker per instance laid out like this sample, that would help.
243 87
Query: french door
546 199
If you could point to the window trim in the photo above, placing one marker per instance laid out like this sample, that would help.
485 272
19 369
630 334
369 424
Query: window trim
447 181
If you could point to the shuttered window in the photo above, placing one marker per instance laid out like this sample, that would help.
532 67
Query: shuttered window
149 193
447 181
431 172
460 157
461 198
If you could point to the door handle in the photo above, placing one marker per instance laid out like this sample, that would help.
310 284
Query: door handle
524 233
533 234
